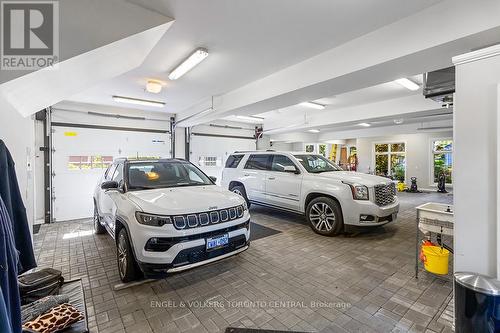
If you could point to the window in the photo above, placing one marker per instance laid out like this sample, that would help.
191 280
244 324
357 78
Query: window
442 159
89 162
118 174
390 160
280 162
162 174
317 163
233 161
258 162
208 161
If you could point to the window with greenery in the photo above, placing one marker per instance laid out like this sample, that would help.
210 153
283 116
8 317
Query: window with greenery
442 159
390 160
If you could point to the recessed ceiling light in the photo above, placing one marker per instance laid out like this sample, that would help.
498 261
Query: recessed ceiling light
194 59
138 101
154 86
250 118
398 121
364 124
314 130
313 105
407 84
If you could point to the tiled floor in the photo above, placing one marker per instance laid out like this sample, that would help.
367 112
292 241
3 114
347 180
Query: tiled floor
293 280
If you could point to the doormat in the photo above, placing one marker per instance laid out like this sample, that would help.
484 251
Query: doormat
36 228
252 330
258 231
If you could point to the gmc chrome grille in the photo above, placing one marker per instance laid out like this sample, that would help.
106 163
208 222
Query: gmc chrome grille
190 221
385 194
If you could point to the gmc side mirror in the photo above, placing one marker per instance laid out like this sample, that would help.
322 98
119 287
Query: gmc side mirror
109 185
291 169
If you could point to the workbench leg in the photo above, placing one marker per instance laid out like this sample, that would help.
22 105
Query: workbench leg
416 251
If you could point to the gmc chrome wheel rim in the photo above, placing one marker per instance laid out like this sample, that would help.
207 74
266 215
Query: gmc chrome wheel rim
322 217
122 255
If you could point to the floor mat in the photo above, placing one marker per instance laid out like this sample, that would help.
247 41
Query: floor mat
258 231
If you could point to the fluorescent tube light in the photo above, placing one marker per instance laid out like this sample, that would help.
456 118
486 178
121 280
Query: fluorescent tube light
250 118
138 101
314 130
194 59
364 124
407 84
313 105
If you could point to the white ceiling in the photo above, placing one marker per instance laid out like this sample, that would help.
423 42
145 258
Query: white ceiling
380 92
247 40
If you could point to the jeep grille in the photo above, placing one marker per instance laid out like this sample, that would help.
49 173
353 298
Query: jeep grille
189 221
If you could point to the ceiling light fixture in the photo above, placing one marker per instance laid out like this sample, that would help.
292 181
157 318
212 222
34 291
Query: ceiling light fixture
398 121
250 118
314 130
364 124
154 86
407 84
138 101
313 105
194 59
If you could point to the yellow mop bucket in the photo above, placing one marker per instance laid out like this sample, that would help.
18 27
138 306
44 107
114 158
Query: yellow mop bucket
435 259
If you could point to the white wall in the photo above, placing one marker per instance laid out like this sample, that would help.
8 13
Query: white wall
476 161
18 134
418 154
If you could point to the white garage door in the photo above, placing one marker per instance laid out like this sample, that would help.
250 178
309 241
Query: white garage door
210 153
82 155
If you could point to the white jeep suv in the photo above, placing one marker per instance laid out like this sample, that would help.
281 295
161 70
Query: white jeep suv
310 184
167 216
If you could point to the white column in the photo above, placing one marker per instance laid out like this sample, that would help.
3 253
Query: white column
475 161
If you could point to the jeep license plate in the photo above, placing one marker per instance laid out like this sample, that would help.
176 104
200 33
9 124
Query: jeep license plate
217 242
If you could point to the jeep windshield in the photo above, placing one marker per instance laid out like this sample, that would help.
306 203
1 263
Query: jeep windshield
164 174
317 163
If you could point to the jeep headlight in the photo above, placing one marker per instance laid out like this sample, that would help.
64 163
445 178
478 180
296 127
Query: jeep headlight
152 220
359 192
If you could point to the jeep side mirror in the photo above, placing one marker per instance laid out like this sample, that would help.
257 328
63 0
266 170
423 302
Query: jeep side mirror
109 185
291 169
213 178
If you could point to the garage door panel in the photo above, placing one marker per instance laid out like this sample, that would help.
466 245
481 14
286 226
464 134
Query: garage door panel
81 156
210 153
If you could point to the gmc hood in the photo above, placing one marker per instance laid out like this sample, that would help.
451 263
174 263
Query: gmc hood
184 200
354 177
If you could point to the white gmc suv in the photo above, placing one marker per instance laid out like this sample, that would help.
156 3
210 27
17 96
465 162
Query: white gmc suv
167 216
310 184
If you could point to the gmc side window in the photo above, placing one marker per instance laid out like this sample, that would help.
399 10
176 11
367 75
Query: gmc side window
259 162
280 162
233 161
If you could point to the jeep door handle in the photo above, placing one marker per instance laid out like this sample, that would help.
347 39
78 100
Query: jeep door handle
271 178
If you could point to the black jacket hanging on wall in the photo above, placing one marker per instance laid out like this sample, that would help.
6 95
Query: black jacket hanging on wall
9 191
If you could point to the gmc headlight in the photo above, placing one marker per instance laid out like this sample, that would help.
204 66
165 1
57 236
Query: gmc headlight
359 192
152 220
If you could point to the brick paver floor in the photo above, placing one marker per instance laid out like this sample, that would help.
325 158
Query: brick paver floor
293 280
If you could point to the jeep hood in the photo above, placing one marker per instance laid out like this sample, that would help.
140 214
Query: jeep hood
354 177
184 200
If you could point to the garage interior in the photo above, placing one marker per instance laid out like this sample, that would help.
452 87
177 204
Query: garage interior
408 92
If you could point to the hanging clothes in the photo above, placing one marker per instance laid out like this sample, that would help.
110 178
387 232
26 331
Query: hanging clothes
9 261
9 191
